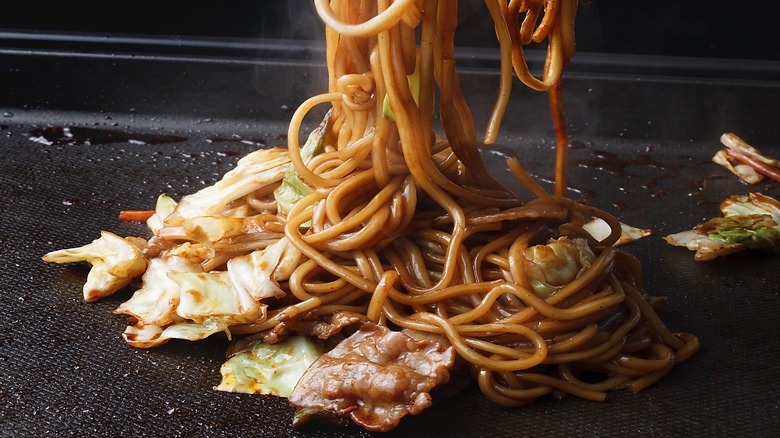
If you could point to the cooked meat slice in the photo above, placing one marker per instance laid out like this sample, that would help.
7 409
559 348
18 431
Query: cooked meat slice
376 376
311 324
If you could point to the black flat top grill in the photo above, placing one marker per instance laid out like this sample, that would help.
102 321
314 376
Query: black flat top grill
93 127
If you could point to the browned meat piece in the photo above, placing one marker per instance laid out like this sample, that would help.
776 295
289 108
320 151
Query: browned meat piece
376 376
310 324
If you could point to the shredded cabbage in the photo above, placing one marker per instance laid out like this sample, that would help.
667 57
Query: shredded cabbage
556 264
115 262
749 222
293 188
272 369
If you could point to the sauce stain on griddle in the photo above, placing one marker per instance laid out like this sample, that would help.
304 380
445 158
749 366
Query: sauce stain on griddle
70 136
701 185
577 144
619 167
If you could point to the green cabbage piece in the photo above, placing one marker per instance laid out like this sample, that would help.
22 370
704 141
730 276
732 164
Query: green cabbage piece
293 188
761 237
254 367
751 220
556 264
414 86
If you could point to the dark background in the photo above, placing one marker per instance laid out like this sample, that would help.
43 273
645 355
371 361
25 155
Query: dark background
692 28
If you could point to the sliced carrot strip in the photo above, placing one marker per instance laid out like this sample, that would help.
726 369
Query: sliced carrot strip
760 167
135 215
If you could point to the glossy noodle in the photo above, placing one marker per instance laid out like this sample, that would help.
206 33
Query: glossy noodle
412 222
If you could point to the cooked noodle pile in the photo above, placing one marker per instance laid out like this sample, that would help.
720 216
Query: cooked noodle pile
404 224
410 228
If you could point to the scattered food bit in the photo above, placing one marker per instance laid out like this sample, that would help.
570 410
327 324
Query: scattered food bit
135 215
114 263
600 230
745 161
749 222
254 367
376 376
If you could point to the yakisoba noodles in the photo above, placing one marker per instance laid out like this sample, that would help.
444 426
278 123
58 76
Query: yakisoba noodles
431 268
403 223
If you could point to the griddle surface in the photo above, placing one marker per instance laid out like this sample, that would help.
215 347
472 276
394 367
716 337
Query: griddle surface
84 136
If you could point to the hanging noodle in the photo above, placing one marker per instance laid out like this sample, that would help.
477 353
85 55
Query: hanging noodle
471 285
405 224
